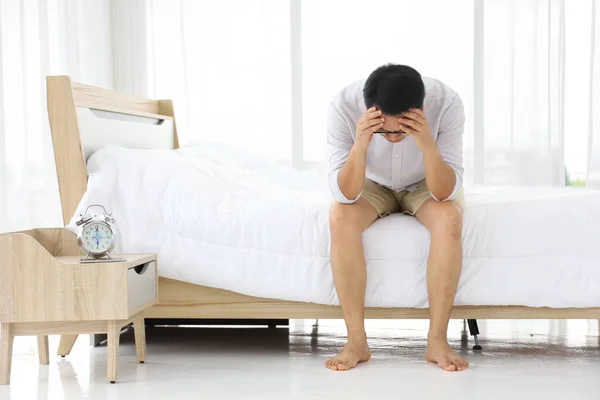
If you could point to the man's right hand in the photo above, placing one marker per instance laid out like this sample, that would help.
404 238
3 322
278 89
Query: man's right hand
370 121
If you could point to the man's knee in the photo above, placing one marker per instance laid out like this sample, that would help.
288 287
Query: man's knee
340 217
448 221
344 218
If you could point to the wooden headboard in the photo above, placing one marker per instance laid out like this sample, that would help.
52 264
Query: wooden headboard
84 118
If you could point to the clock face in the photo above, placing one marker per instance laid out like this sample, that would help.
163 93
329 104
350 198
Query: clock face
96 238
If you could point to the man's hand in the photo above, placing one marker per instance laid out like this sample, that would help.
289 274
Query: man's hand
370 121
351 177
440 177
414 122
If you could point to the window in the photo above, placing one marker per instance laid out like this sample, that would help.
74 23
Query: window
226 64
343 41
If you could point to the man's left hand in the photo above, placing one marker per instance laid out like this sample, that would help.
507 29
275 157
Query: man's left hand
414 123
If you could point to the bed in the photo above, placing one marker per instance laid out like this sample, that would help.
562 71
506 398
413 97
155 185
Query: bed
261 250
220 217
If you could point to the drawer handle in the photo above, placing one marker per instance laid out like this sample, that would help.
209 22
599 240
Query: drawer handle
141 269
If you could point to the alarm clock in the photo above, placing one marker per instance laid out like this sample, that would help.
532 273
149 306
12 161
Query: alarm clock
96 237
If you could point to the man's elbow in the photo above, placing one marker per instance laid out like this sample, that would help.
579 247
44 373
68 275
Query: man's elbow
448 190
337 191
444 193
441 195
340 196
344 200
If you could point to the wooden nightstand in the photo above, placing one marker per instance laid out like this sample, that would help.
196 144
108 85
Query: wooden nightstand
44 295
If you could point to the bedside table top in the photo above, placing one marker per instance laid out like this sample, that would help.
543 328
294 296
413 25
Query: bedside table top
132 260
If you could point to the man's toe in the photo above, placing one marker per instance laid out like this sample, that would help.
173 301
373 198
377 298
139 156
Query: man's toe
450 367
461 364
446 364
343 366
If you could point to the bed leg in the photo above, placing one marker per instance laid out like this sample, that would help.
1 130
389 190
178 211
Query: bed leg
474 330
464 336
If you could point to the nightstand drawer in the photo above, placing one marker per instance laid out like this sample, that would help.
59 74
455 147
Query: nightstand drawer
141 285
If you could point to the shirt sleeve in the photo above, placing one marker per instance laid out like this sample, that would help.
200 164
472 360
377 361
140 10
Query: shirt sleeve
339 144
450 142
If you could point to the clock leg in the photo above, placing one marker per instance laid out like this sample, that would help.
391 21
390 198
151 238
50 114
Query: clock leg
66 345
6 344
139 329
114 332
43 351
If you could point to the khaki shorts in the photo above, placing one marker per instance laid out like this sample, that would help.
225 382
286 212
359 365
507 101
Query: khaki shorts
386 201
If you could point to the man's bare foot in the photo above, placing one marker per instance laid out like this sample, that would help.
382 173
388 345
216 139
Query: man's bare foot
440 352
350 355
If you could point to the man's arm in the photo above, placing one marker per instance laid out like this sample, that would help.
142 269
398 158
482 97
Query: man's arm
348 157
351 177
443 158
440 177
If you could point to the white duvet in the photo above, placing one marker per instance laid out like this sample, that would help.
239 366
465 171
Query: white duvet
221 218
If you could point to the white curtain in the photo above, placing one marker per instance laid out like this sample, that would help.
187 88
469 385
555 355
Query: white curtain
523 94
593 177
536 92
226 65
40 38
522 67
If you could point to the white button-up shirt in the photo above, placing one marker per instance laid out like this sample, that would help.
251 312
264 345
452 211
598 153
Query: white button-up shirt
398 166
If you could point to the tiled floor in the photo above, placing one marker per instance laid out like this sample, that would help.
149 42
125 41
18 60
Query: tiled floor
520 360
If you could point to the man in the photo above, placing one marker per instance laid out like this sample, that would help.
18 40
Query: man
395 145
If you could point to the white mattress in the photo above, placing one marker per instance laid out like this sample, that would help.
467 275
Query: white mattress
218 217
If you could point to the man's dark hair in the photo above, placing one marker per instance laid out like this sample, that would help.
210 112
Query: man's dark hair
394 89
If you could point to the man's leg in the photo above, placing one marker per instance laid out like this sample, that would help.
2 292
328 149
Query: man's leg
347 223
444 222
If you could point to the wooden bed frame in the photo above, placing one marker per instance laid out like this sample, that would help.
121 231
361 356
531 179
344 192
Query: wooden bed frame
181 300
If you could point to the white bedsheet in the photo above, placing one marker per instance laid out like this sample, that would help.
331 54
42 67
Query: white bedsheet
218 217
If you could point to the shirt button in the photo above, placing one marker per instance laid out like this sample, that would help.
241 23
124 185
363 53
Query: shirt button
396 155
